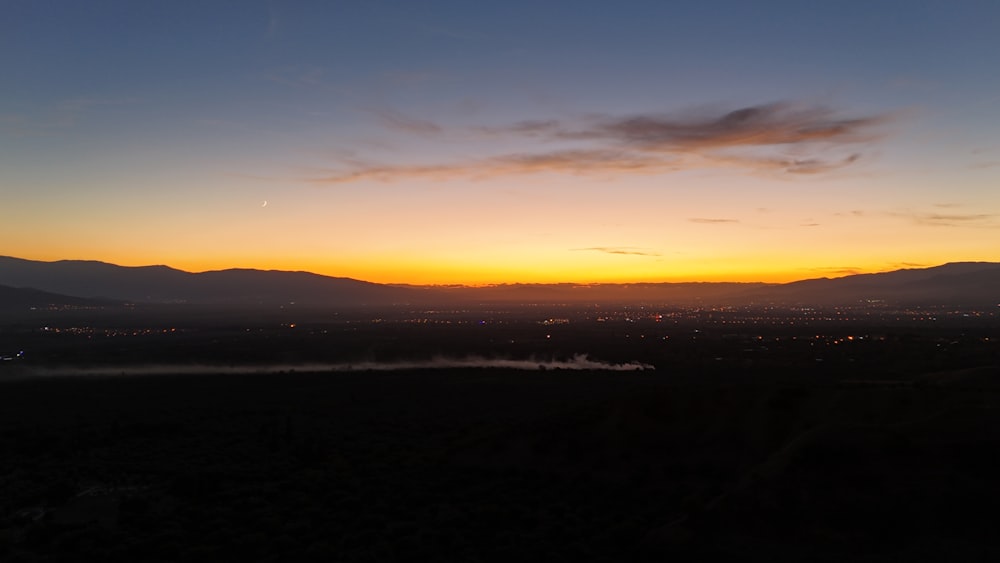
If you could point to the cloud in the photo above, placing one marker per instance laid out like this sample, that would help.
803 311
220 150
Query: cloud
62 116
839 270
624 250
300 75
985 164
541 128
79 105
949 219
408 124
952 218
570 161
582 161
711 221
770 164
934 219
780 138
451 33
852 213
770 124
816 166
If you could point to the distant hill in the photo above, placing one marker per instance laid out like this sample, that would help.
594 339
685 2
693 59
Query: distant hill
162 284
678 293
963 283
957 283
17 298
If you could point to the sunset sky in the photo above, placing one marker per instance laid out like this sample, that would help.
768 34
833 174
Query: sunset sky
474 142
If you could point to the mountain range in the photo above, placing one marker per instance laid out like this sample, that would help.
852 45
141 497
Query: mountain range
74 282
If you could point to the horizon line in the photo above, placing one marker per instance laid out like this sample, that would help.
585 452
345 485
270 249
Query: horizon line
443 285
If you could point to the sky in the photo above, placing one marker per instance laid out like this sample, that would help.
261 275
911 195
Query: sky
457 142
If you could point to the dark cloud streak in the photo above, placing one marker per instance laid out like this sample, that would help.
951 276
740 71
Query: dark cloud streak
571 161
840 270
771 124
712 221
396 120
622 250
949 219
751 138
952 219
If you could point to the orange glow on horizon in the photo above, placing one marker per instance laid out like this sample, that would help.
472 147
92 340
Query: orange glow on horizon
414 272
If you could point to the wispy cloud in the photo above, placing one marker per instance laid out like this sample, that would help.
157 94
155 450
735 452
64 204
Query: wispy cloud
712 220
949 219
77 105
57 118
779 138
398 121
297 75
852 213
569 161
813 165
451 33
624 250
839 270
985 164
926 218
953 218
770 124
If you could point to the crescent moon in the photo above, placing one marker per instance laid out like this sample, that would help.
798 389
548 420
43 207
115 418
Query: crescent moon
264 204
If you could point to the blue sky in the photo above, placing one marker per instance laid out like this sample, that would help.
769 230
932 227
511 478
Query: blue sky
454 142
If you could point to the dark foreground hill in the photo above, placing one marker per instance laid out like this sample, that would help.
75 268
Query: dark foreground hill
495 465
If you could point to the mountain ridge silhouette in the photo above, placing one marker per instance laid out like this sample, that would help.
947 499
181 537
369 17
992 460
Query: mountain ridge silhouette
958 283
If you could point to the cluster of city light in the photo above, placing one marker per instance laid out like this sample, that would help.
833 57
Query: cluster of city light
110 332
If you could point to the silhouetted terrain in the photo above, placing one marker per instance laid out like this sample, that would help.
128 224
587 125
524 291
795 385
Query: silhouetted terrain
161 284
206 431
966 284
494 465
960 283
20 299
